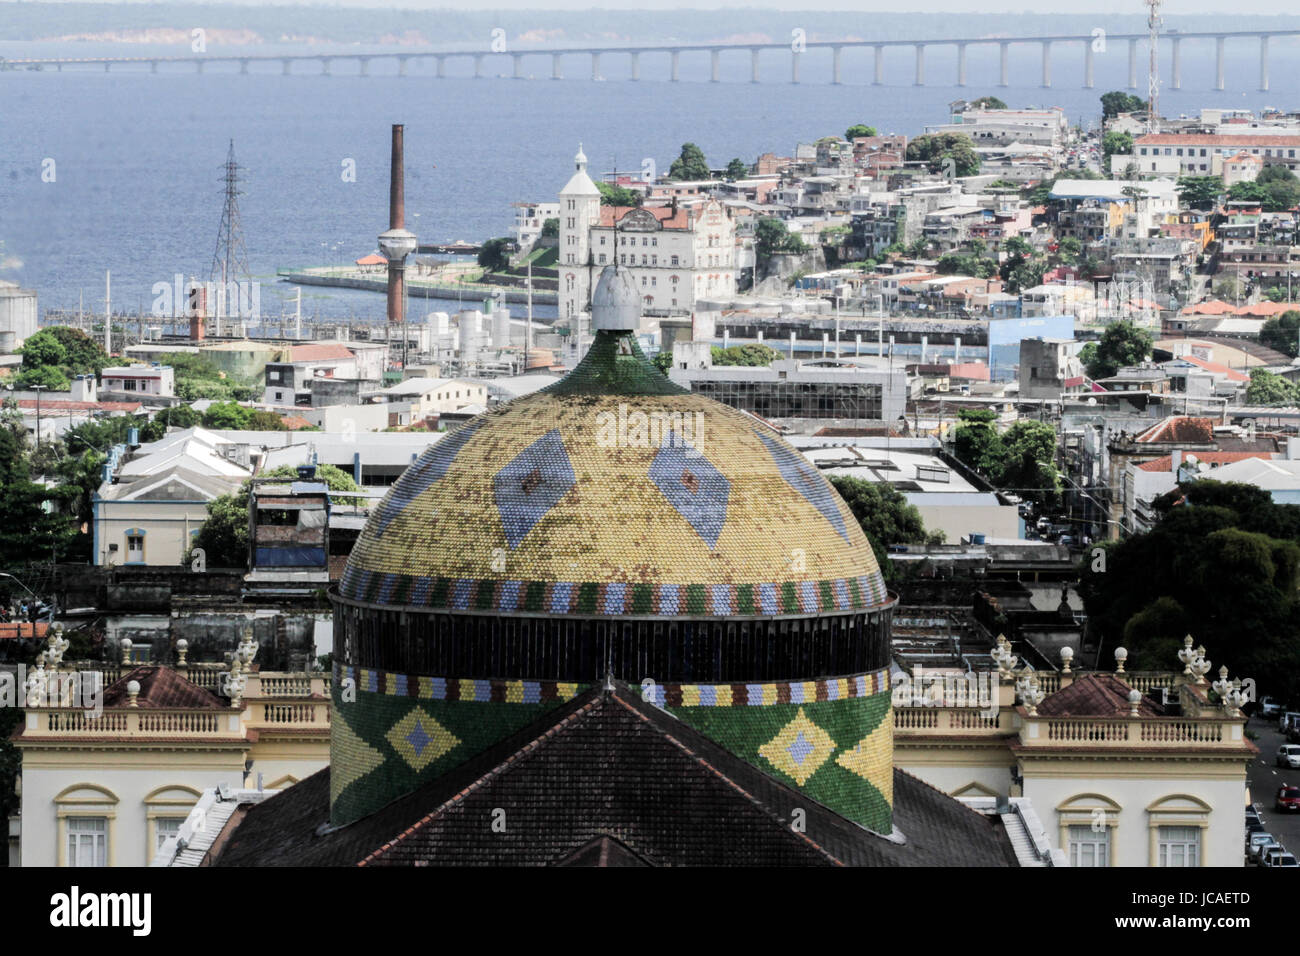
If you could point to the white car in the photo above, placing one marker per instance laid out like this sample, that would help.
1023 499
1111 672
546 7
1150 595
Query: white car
1258 843
1288 755
1269 707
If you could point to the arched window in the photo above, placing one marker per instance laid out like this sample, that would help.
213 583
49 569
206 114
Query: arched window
87 816
1088 823
165 809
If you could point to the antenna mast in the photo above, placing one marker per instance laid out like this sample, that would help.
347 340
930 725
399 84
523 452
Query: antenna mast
230 261
1153 69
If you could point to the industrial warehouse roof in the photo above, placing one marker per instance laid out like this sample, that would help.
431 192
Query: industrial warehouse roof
608 779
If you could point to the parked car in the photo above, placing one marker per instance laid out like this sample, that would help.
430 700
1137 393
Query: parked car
1288 755
1269 707
1288 798
1277 857
1287 721
1252 817
1257 842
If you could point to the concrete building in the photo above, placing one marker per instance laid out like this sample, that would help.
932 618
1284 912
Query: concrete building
430 397
113 790
791 388
138 382
951 499
1122 769
674 253
530 217
1049 367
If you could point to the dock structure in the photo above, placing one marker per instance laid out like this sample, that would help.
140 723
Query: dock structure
513 61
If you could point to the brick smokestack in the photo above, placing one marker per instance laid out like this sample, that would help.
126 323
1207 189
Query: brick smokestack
396 220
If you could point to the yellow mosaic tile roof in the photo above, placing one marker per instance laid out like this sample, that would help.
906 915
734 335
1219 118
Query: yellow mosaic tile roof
620 490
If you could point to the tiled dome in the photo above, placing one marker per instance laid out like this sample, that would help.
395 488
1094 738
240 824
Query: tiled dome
614 492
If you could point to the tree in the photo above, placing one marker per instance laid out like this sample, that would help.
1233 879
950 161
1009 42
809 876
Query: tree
771 236
885 516
174 416
551 227
1223 563
494 255
1068 250
690 164
53 356
859 130
263 421
1116 142
224 535
85 356
48 376
1282 333
611 195
28 530
750 355
1265 388
1122 344
1028 461
226 415
737 169
1116 102
988 103
44 350
1199 192
976 440
936 150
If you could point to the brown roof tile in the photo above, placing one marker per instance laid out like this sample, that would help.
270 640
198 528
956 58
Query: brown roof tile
161 687
1095 695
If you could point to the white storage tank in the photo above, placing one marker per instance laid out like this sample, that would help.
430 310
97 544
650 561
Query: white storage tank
500 327
469 325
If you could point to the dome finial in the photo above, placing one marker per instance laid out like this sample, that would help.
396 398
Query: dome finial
616 304
580 161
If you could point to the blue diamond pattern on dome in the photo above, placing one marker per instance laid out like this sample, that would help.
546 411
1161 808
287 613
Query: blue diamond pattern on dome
531 485
800 474
418 739
692 485
417 479
800 749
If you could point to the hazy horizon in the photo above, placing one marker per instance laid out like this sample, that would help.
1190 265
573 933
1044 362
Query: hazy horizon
922 7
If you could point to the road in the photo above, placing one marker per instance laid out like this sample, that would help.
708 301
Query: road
1264 776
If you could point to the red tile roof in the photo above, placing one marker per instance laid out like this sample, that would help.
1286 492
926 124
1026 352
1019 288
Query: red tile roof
319 353
161 687
1180 428
19 629
1095 695
668 218
1213 307
1166 462
1232 374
